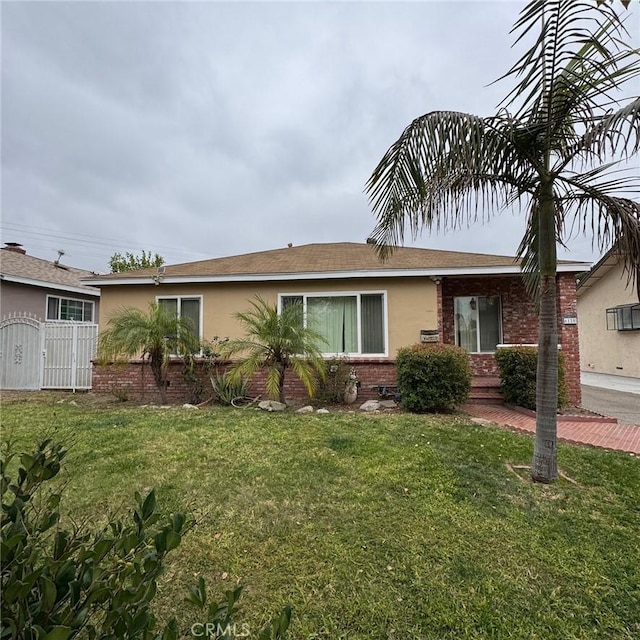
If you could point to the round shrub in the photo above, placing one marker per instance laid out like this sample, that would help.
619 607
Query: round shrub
433 377
518 372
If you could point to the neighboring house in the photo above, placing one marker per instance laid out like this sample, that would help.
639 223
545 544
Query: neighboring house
609 325
45 289
48 322
367 309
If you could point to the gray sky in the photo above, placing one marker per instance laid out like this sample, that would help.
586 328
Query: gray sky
206 129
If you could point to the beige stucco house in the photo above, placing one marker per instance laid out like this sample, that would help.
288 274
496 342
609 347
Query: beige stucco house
367 309
609 313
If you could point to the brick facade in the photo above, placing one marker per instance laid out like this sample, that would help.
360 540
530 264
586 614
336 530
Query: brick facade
519 320
568 334
519 326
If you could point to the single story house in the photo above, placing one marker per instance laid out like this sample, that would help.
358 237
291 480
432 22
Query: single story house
609 325
45 289
369 308
48 323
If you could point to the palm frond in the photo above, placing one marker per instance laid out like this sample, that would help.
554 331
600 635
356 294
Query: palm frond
610 219
616 133
272 381
308 373
528 253
247 367
275 341
529 248
157 334
446 168
576 43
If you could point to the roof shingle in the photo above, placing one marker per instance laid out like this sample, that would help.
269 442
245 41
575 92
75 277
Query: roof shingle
19 265
323 258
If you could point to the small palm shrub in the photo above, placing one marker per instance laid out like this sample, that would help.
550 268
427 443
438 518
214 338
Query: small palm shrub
433 377
518 372
154 336
277 342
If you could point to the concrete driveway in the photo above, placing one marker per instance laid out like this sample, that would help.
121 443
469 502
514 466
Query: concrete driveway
616 404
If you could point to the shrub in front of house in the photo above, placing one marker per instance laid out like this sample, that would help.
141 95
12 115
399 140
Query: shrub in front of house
433 377
517 368
63 583
332 388
226 389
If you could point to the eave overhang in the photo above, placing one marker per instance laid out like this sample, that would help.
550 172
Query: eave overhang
86 290
576 267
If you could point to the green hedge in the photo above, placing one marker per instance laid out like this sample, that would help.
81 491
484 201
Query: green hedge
518 367
433 377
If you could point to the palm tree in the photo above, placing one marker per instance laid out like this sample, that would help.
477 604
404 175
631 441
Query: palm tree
557 153
277 341
155 335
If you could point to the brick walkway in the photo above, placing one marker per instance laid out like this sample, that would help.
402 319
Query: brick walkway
621 437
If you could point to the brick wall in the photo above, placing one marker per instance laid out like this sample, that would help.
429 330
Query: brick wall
136 380
568 334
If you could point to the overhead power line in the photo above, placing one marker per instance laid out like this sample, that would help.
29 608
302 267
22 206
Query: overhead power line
83 239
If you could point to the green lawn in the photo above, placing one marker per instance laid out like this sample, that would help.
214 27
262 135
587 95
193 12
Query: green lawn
371 526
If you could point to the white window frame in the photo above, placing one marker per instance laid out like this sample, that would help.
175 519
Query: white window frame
60 299
343 294
179 299
500 327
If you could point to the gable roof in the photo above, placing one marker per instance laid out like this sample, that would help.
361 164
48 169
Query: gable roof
23 269
600 269
334 260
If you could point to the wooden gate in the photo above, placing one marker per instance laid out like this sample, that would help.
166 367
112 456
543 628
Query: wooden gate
46 355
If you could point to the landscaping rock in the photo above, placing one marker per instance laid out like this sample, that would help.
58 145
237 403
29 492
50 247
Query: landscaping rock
322 411
272 405
189 406
388 404
370 405
307 409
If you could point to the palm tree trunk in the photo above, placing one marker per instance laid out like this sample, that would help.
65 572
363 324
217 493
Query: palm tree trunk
156 367
544 467
281 372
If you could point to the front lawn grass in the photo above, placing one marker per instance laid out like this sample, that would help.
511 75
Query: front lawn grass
371 526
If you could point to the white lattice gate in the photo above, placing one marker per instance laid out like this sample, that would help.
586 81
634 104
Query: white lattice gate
46 355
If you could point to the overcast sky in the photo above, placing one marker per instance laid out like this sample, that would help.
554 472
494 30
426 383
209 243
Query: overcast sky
199 130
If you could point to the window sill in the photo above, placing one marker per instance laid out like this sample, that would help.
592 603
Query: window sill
357 356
